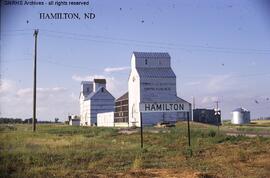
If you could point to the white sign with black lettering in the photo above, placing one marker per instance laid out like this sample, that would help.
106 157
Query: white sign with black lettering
164 107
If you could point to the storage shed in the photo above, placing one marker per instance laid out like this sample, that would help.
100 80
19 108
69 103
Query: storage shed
207 116
74 120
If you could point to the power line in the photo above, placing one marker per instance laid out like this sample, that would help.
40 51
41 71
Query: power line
155 44
16 60
232 76
18 30
86 68
106 42
103 39
66 65
14 34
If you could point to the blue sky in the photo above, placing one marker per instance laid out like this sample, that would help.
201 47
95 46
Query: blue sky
220 50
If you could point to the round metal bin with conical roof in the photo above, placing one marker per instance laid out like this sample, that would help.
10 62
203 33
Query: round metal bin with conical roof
240 116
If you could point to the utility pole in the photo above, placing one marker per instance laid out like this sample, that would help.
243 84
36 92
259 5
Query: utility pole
193 102
216 104
218 115
188 115
35 82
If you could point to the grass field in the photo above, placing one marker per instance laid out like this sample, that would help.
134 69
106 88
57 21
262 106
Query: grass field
68 151
258 126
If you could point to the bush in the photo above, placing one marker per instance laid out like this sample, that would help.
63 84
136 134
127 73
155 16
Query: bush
212 133
232 139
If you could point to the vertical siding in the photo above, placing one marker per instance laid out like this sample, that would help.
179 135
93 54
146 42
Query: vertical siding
100 106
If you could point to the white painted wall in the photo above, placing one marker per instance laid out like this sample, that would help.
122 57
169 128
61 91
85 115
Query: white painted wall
86 89
134 95
105 119
84 112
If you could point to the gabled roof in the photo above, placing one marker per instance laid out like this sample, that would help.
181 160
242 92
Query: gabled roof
156 72
181 100
151 55
98 92
123 97
240 110
86 82
90 96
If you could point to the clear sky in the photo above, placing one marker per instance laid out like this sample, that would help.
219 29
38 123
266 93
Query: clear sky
220 50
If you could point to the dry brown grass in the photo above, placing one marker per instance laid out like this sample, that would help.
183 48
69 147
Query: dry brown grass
51 143
64 151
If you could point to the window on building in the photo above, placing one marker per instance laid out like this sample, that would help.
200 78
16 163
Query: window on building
87 89
146 61
102 89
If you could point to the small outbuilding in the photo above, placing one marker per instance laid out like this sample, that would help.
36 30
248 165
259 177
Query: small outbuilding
207 116
74 120
240 116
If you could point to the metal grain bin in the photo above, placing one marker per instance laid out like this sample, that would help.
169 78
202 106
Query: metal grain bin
240 116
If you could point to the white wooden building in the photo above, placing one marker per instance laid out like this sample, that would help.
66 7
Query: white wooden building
94 99
152 80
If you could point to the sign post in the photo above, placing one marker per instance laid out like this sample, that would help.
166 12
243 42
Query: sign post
218 118
166 107
141 130
188 114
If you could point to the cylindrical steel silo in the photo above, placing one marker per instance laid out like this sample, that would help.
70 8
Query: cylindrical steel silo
240 116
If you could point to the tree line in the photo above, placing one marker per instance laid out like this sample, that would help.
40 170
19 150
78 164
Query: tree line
6 120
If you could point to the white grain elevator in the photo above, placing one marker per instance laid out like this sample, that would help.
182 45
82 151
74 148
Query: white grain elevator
152 80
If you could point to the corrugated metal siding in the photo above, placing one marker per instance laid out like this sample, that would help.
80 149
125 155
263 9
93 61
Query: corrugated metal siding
123 97
121 109
156 73
151 55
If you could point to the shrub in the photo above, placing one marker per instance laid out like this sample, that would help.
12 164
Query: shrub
212 133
